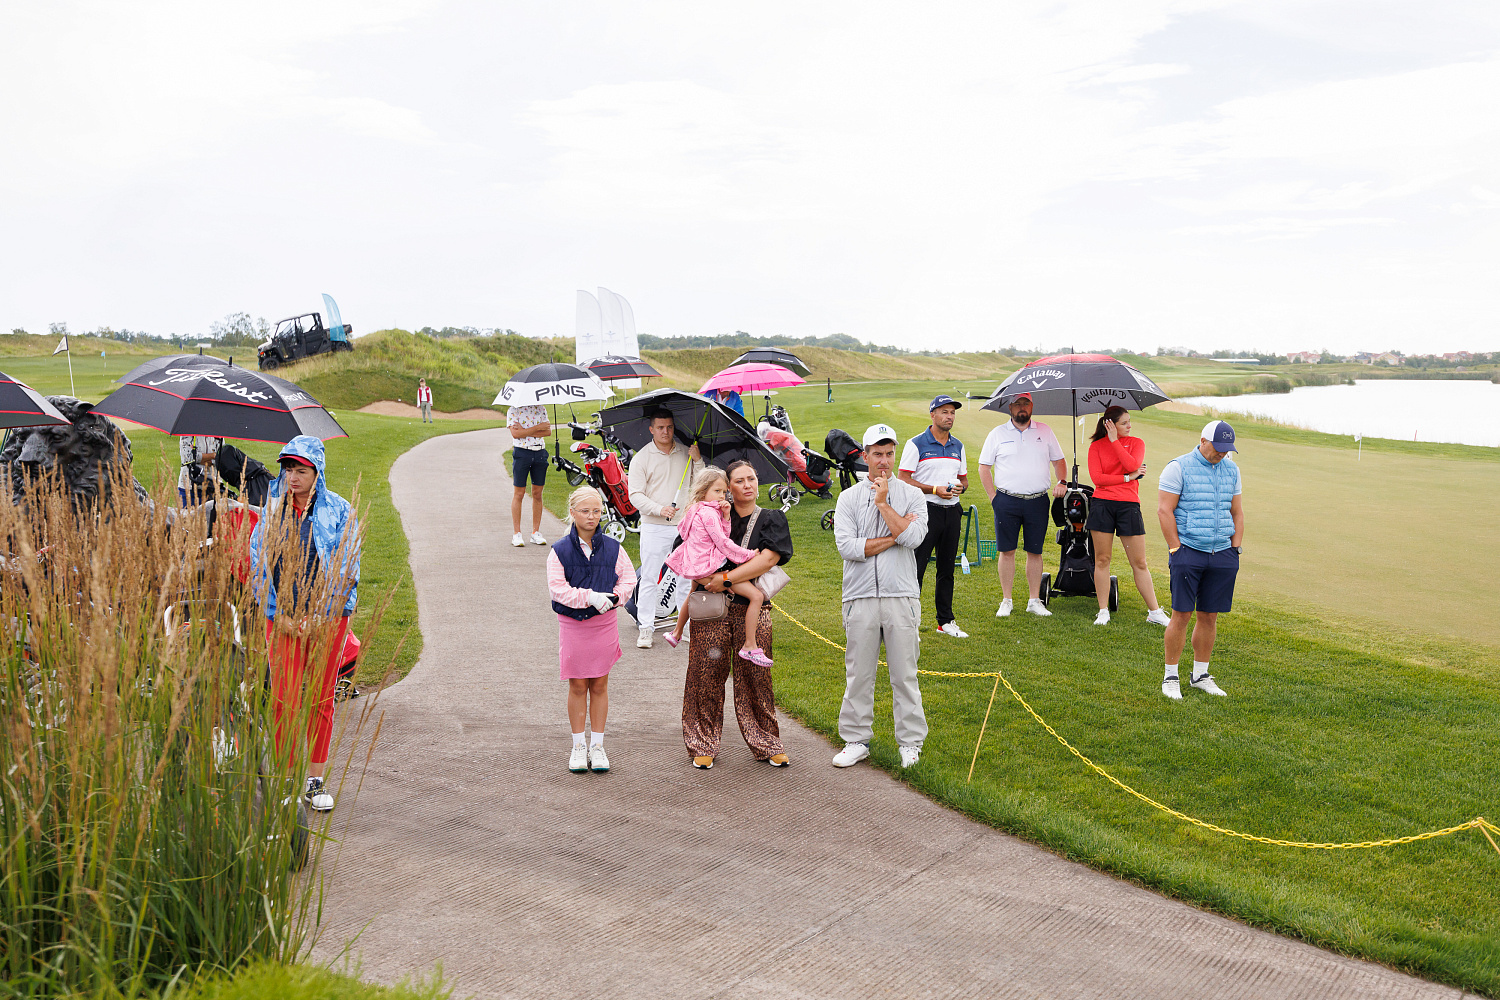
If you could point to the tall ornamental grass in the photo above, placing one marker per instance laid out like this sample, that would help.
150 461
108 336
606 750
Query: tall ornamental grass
149 830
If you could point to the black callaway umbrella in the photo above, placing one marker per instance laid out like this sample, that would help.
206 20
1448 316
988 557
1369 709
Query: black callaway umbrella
773 356
219 401
613 366
1075 384
722 435
23 406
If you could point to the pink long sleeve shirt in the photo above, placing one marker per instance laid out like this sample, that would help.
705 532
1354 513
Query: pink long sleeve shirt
705 543
577 597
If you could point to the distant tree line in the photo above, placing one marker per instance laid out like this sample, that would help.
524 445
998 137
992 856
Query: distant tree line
838 341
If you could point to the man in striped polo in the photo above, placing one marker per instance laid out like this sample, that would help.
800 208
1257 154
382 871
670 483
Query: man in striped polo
1201 517
935 463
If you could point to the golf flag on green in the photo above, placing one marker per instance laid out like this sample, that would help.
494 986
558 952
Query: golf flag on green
62 345
62 348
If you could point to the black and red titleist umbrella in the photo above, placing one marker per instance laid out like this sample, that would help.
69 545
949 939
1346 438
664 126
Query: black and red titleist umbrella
220 401
23 406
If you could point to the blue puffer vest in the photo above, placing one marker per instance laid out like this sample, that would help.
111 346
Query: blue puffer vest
1203 519
597 573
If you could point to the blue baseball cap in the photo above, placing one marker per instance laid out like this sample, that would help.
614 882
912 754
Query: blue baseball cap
1219 434
944 400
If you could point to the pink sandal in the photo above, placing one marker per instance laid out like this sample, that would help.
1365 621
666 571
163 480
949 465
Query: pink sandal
756 656
672 640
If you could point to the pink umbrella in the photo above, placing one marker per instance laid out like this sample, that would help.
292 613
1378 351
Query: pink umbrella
753 377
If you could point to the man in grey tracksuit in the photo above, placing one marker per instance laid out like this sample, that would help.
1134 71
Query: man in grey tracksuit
878 525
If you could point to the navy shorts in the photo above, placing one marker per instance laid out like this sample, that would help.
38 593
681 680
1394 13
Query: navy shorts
1012 514
1203 581
1116 517
528 460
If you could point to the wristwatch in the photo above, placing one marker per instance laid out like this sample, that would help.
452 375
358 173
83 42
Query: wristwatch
1173 549
1236 548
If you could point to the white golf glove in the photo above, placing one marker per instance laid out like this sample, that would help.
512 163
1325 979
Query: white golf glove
602 602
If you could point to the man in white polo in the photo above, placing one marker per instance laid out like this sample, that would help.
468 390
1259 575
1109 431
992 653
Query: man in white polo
659 480
877 526
1014 470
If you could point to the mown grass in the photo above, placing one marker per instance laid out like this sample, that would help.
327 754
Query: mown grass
1338 725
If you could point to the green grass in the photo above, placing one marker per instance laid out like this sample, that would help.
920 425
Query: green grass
277 982
1338 726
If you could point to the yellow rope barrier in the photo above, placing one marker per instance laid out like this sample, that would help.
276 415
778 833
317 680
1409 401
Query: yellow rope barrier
1479 823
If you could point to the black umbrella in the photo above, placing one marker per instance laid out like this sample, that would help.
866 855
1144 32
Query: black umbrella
23 406
613 366
218 401
168 361
773 356
722 435
1075 384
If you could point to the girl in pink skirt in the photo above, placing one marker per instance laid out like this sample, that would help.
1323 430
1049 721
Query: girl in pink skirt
589 575
705 547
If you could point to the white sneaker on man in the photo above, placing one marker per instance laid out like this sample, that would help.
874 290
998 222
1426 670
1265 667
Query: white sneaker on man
1003 611
578 760
1205 683
1102 618
598 761
1159 617
1171 687
910 755
1036 607
952 629
852 754
643 638
517 540
537 539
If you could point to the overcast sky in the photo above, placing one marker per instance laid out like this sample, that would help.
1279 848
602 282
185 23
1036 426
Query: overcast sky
1269 175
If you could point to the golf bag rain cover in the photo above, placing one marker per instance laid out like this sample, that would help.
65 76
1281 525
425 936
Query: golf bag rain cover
615 482
1075 569
841 447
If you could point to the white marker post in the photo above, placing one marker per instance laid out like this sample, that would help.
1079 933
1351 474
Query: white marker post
1360 453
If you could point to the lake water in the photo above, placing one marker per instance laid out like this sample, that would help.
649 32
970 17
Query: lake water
1444 410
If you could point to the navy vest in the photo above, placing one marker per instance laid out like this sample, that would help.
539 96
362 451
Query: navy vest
597 573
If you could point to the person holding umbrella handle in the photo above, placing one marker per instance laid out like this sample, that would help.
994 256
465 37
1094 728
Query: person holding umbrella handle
1013 470
658 477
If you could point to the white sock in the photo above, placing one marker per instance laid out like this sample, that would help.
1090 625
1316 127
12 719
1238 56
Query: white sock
1200 668
578 739
1171 671
597 739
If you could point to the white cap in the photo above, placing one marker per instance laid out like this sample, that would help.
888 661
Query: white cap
876 433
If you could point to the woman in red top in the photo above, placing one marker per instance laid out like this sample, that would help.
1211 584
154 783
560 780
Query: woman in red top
1117 465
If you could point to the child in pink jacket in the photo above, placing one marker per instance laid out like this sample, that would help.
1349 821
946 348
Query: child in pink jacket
705 546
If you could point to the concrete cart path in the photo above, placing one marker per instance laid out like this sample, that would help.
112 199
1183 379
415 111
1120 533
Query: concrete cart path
470 844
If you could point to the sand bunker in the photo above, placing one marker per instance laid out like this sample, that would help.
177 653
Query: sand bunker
390 408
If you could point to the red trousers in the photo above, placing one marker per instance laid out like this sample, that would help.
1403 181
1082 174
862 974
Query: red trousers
288 678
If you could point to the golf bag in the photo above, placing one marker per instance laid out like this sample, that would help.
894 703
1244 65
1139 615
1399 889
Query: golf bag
1075 564
612 476
845 453
778 418
799 469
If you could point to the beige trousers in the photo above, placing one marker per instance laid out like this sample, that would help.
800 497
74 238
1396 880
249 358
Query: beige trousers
867 622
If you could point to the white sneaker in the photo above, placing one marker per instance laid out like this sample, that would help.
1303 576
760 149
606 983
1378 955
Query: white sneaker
910 755
517 540
1102 618
1003 611
643 638
1159 617
1171 687
1205 683
598 761
952 629
578 760
852 754
1036 607
537 539
317 796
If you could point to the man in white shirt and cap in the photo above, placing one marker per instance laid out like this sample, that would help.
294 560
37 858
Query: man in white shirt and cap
1013 468
877 526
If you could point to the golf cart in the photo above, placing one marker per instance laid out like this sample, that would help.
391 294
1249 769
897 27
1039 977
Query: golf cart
299 337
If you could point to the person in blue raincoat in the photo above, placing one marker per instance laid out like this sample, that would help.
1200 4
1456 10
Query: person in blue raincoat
305 554
729 398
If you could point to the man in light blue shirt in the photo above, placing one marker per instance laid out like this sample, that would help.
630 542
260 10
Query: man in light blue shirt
1203 522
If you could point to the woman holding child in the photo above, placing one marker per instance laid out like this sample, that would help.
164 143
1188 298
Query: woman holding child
726 645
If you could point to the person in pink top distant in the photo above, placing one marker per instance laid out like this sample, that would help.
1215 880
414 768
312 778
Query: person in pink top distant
705 546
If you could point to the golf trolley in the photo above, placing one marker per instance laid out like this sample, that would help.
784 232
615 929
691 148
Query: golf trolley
602 469
807 471
1075 568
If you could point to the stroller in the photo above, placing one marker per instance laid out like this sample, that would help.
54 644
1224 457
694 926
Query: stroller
805 469
1075 568
845 452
